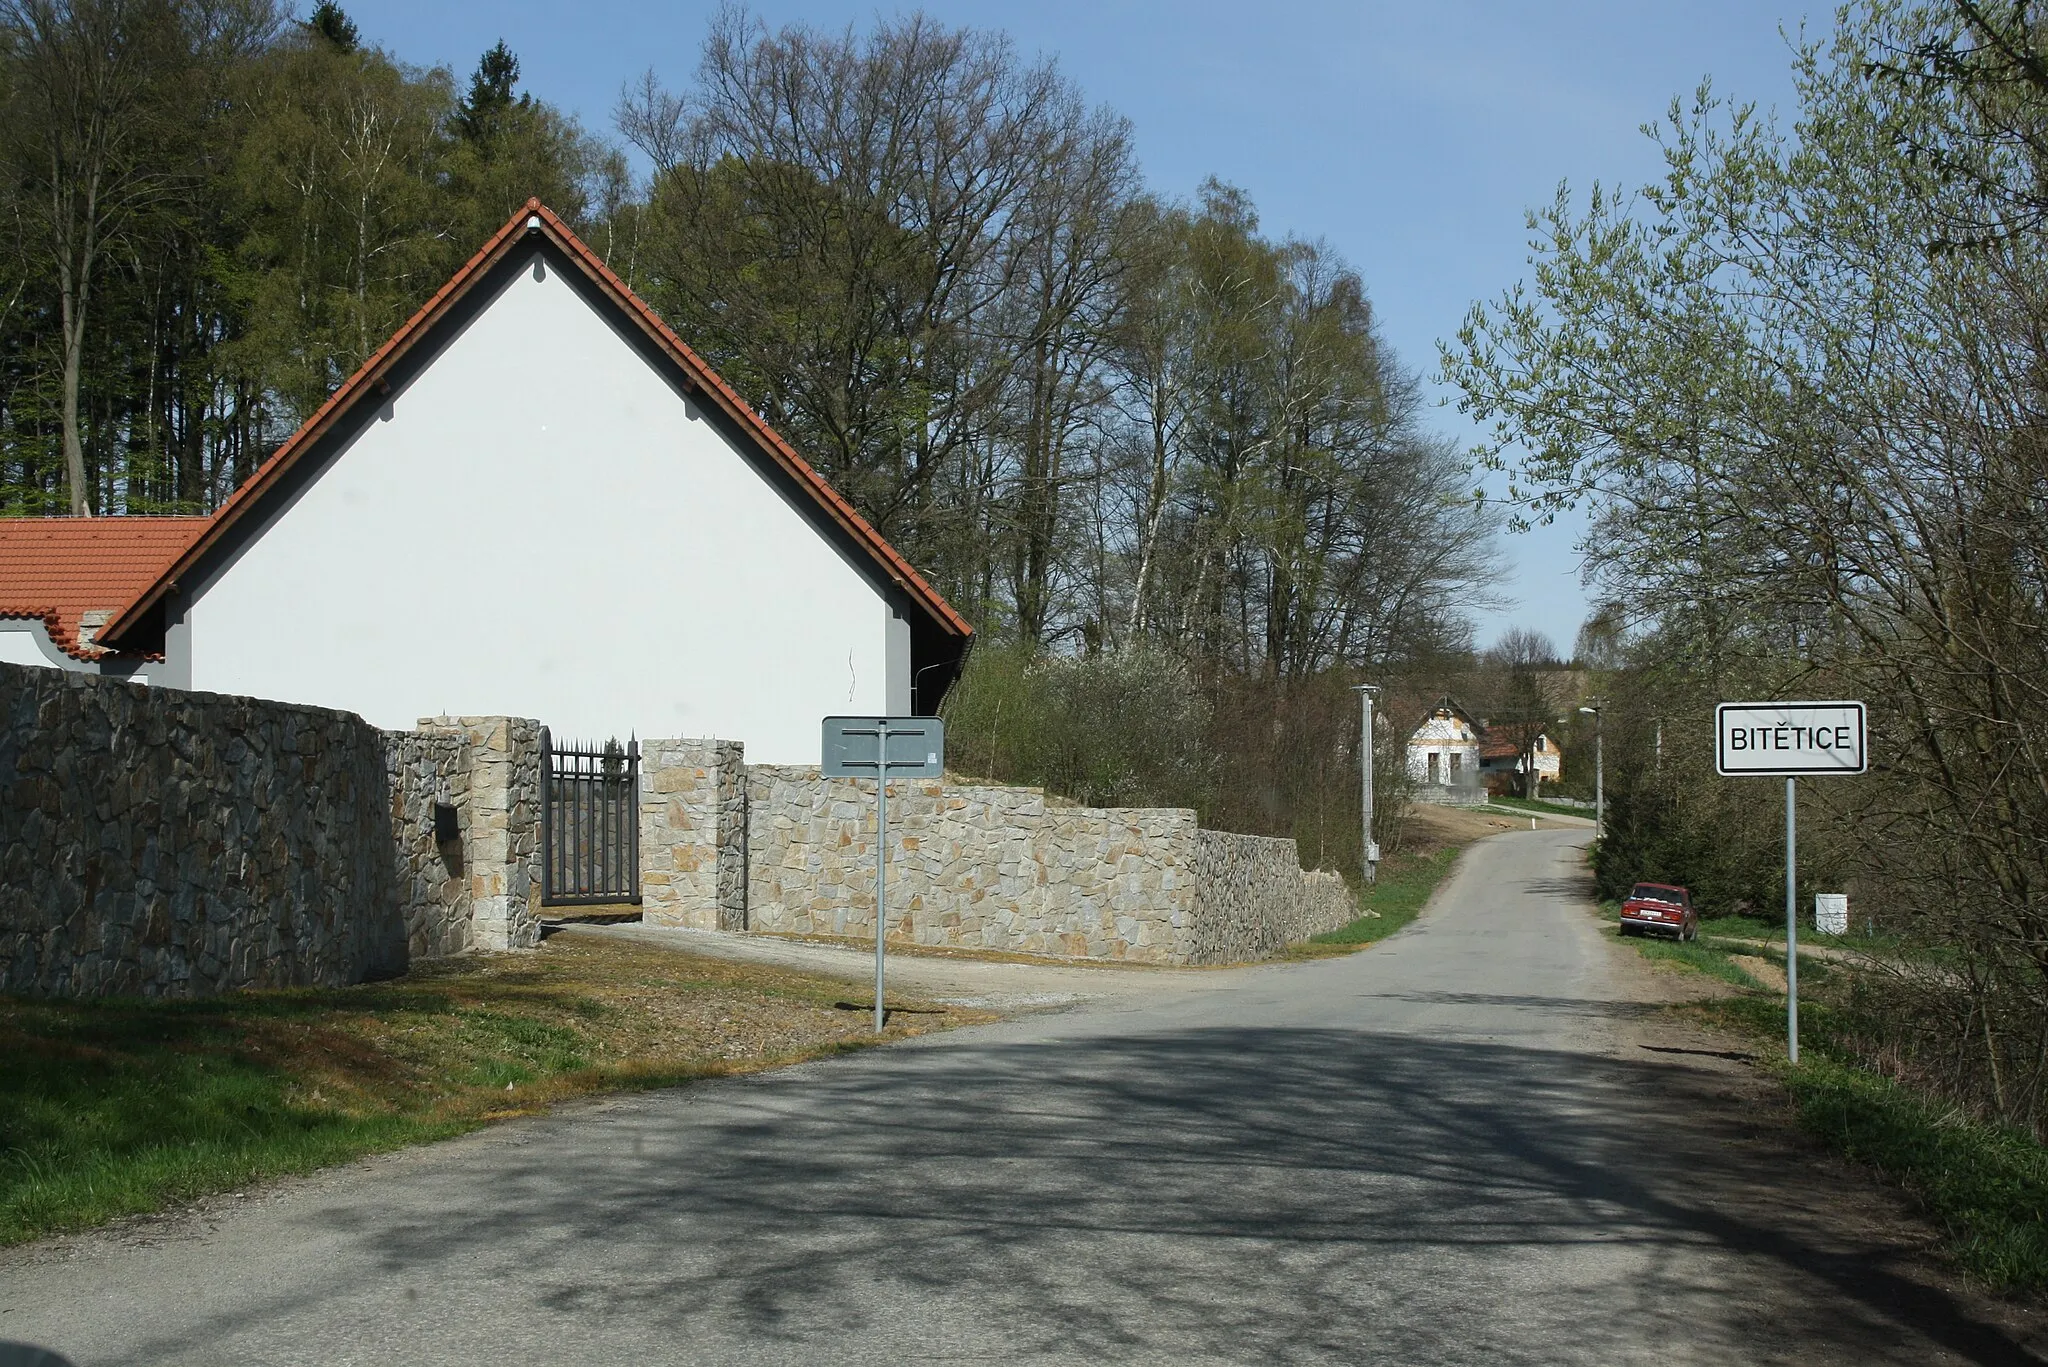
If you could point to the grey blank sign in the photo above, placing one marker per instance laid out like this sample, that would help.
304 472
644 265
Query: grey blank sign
917 747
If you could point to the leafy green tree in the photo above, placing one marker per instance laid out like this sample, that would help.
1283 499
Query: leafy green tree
1800 380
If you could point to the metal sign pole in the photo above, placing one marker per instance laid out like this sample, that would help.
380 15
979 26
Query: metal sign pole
1791 918
847 744
881 862
1784 740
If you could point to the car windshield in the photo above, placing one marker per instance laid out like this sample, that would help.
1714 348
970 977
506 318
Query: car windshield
1650 892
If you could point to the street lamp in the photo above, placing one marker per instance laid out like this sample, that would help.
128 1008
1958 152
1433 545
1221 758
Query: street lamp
1599 772
1369 856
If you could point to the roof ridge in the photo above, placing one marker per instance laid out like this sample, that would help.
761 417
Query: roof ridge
534 215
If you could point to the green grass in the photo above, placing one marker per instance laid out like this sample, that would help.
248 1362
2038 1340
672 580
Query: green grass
1396 899
119 1107
1537 805
1699 958
1984 1186
1772 931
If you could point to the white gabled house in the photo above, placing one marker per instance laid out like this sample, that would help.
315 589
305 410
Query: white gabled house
534 501
1444 750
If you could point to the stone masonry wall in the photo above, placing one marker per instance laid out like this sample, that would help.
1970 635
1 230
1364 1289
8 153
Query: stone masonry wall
500 823
164 843
427 770
988 867
1252 898
970 866
174 844
693 833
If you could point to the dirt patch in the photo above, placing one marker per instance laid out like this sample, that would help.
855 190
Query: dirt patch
1428 828
1764 971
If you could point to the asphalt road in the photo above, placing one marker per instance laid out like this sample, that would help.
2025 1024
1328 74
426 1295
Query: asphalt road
1452 1148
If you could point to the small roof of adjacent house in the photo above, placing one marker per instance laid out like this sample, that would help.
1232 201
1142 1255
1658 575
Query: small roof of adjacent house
144 558
1496 746
63 570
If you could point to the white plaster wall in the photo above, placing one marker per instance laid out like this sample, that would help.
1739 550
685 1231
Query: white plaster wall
21 643
1443 736
540 526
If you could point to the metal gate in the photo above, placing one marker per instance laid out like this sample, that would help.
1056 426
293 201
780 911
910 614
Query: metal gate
589 823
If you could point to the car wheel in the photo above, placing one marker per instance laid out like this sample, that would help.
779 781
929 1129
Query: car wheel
1624 932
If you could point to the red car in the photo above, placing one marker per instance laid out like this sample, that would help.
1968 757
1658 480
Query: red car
1662 909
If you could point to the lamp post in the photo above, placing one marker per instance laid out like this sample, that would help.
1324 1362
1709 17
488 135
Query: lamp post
1369 853
1599 771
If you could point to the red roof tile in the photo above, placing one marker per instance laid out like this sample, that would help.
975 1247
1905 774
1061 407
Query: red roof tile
60 568
366 383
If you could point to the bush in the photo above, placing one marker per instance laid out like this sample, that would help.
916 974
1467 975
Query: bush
1128 729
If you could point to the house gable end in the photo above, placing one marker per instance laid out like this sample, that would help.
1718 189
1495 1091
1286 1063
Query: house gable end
535 234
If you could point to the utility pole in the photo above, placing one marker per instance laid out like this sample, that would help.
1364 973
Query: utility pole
1599 769
1369 853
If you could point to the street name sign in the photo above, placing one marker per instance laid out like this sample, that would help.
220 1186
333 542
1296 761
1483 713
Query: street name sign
1789 739
883 748
860 747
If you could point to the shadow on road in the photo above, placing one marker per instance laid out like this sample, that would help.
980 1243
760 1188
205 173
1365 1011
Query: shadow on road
1272 1195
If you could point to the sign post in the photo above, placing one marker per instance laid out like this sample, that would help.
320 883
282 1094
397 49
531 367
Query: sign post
882 748
1786 740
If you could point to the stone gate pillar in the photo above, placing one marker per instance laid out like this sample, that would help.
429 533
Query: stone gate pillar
693 834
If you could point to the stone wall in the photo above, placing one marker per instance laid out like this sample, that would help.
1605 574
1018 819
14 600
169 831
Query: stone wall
987 867
175 844
1252 898
499 817
428 774
163 843
693 832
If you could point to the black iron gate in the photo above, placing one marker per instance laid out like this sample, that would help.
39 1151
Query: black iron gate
589 823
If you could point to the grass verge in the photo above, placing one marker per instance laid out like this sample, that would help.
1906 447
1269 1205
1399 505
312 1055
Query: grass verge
119 1107
1404 888
1985 1187
1698 956
1537 805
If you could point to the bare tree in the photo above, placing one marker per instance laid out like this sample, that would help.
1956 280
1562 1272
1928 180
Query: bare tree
87 134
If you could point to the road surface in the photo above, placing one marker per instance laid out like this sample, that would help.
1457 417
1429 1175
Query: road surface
1456 1147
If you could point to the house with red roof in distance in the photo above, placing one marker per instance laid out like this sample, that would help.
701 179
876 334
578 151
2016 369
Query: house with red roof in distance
535 500
1500 762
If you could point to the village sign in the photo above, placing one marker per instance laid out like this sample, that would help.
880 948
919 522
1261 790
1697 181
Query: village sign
1786 740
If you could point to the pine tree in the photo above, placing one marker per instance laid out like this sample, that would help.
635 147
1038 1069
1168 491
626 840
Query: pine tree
330 22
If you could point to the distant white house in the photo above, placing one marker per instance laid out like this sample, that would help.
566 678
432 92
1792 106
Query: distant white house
534 500
1444 751
1500 761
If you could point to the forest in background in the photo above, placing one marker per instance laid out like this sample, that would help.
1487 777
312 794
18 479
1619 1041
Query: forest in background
1162 460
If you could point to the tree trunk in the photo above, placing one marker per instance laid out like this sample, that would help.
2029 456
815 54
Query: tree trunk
74 362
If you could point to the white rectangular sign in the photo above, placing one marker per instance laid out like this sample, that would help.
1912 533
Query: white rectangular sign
1789 739
1831 913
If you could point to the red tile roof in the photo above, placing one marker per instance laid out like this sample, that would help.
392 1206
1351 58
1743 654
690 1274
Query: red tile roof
60 568
1500 747
369 380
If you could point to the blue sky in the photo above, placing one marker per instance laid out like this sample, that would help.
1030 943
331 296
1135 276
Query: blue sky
1410 136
